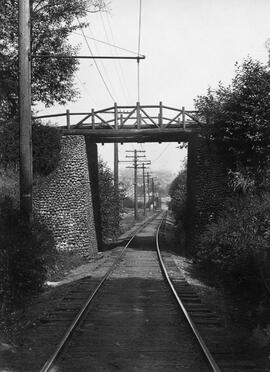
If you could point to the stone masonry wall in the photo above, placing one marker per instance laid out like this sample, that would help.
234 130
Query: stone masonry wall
206 187
63 200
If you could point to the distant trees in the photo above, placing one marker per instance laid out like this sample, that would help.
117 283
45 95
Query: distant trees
177 192
110 202
178 205
53 22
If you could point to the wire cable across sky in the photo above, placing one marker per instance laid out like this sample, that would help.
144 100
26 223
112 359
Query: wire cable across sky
95 62
139 49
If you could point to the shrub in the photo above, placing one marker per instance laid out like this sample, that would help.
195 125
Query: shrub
46 147
177 192
9 184
230 247
178 205
110 204
26 252
240 115
128 202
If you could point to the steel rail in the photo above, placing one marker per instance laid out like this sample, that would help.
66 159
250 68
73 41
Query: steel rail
199 338
49 363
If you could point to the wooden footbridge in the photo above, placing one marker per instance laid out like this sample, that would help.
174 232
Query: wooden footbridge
139 123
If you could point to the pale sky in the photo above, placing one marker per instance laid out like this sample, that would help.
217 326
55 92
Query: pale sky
189 45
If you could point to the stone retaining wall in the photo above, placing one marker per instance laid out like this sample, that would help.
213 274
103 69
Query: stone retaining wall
63 200
206 187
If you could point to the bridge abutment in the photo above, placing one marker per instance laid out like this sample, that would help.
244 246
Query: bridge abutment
206 187
92 156
63 200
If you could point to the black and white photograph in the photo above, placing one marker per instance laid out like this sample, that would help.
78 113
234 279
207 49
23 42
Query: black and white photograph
134 186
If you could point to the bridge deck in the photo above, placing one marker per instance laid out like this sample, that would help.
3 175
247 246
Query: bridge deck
132 123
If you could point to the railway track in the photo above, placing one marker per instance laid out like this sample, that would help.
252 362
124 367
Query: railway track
131 321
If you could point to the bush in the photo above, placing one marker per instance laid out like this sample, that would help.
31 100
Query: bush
240 115
230 247
178 192
46 147
25 255
128 202
178 205
110 203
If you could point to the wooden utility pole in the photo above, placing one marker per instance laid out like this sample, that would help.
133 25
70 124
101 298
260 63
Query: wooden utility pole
143 167
135 167
144 191
26 167
135 186
116 167
116 159
153 193
148 191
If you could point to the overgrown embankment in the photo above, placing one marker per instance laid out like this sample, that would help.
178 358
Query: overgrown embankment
26 251
29 253
235 242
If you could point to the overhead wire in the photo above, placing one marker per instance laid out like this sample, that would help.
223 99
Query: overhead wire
114 61
108 79
138 52
162 152
139 49
95 62
107 43
118 61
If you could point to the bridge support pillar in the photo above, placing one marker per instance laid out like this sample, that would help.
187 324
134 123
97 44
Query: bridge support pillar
206 188
92 156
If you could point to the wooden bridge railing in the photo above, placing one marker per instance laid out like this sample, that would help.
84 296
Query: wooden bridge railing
131 117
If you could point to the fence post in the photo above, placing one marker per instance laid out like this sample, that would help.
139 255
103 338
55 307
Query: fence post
184 117
68 119
115 116
139 124
93 118
160 115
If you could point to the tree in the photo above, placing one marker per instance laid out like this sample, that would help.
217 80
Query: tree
46 147
53 22
177 192
240 117
109 200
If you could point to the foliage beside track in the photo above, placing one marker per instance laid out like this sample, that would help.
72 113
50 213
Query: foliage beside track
178 204
239 116
232 248
239 124
26 253
234 244
110 203
46 147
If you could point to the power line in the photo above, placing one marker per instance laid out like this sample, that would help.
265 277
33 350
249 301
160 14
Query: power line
119 63
162 152
139 49
140 27
107 43
95 62
103 65
115 64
